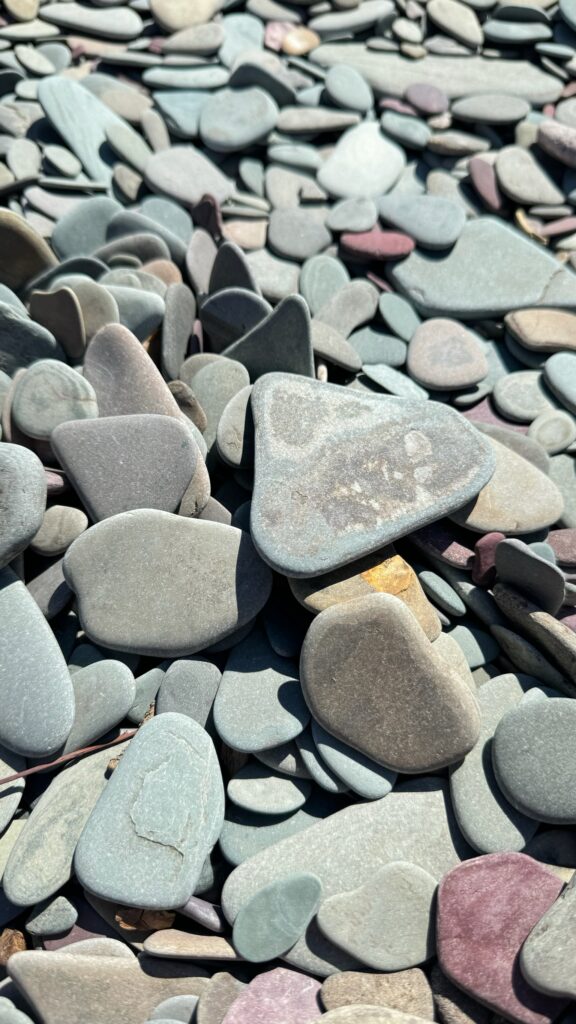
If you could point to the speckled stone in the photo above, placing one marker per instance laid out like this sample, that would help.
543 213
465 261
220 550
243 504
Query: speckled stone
103 694
189 687
22 499
275 994
276 916
407 991
523 395
522 568
52 917
295 419
180 945
282 341
547 956
218 996
486 909
262 791
105 569
125 852
358 772
445 356
432 221
23 341
49 393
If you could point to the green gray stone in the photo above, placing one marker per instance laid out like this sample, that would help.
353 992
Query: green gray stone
262 791
22 499
276 916
103 694
52 917
433 222
49 393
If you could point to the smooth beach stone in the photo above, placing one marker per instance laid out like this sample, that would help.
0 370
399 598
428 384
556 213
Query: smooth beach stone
407 991
478 948
520 567
293 234
235 431
117 463
10 796
433 222
493 108
276 916
275 996
329 344
103 694
517 442
176 1008
280 342
391 74
171 942
475 280
560 376
363 921
547 956
189 687
389 733
526 657
126 23
376 245
89 985
30 255
357 214
217 997
295 418
105 569
177 325
320 278
22 341
477 646
345 851
234 119
316 767
502 503
60 526
347 88
61 313
374 346
183 173
259 703
231 270
126 851
563 543
522 178
399 315
364 163
83 229
381 572
557 140
275 278
41 859
141 312
261 791
97 306
534 759
37 697
410 132
351 306
314 119
22 499
542 330
439 591
214 386
181 109
49 393
457 20
124 377
357 772
445 355
394 382
522 396
146 688
52 917
486 819
554 430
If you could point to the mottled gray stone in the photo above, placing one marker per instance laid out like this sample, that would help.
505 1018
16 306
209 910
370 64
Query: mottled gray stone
259 790
433 222
301 499
234 119
406 991
143 845
22 499
282 342
189 687
103 694
297 234
276 916
183 173
364 163
215 581
214 386
49 393
52 917
81 119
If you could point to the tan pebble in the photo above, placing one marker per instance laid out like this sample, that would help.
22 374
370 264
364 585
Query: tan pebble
247 233
299 41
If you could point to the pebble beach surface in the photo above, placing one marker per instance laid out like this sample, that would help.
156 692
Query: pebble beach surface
288 512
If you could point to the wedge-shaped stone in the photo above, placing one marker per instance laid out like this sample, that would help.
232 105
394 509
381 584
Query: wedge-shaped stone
148 836
198 582
549 953
338 474
281 342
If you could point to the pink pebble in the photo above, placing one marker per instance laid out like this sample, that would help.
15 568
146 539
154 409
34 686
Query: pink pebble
483 568
377 244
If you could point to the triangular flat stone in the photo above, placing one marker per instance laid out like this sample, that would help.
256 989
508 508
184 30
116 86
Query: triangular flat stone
281 342
126 462
81 119
231 270
339 474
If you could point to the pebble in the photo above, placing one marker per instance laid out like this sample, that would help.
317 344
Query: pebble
445 356
407 991
49 393
547 953
276 916
22 499
541 582
363 164
257 789
433 222
272 994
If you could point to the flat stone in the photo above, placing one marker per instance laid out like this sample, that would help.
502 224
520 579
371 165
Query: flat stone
475 280
40 862
444 355
276 278
520 567
375 346
189 687
558 140
259 703
235 431
170 942
542 330
523 180
179 1008
275 994
486 819
80 118
394 382
90 984
22 341
369 1015
329 344
214 386
83 228
118 463
103 694
124 377
479 950
345 851
144 815
491 108
554 430
183 173
563 543
560 376
347 88
410 132
364 164
37 693
293 234
351 306
126 24
362 922
261 791
52 917
406 749
320 278
281 342
376 244
30 254
49 393
234 119
217 998
60 313
291 543
314 120
316 767
22 499
276 916
433 222
356 214
106 560
60 526
522 396
245 833
501 504
547 955
407 991
533 762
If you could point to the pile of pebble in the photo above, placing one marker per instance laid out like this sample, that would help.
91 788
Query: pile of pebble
288 512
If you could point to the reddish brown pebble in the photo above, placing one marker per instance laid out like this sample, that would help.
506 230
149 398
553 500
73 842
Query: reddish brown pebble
483 178
11 941
377 244
563 544
443 540
483 567
428 99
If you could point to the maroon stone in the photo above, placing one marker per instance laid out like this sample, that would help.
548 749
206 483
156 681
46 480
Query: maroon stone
562 226
486 909
398 107
563 544
207 914
483 567
445 541
376 244
428 99
280 996
483 178
484 412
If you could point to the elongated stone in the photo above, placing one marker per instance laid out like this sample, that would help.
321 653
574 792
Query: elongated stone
271 922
